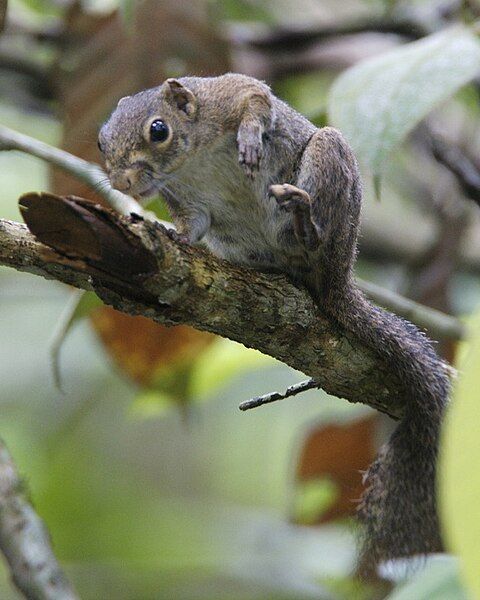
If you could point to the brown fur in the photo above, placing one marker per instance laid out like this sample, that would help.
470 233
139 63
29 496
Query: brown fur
227 157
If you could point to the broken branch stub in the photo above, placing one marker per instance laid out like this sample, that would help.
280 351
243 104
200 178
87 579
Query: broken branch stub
83 230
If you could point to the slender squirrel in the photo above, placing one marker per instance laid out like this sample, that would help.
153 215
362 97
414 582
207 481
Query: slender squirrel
261 186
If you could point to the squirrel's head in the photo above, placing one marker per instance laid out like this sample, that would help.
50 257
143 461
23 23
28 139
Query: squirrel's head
147 137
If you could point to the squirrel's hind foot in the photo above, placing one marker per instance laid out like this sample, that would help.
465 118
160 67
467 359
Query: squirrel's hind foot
298 202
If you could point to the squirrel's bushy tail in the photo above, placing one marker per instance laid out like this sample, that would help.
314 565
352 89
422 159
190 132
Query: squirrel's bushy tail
399 508
399 505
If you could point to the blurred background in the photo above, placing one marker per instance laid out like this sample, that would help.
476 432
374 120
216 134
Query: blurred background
152 483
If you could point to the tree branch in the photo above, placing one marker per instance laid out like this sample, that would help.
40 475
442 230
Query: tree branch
134 266
438 324
25 542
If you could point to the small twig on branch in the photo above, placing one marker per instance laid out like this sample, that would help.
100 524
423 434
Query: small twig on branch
25 542
444 326
293 390
441 325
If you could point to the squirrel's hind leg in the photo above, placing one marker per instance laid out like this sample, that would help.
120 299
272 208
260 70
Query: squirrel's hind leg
322 201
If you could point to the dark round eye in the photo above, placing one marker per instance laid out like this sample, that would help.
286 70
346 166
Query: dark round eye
159 131
100 147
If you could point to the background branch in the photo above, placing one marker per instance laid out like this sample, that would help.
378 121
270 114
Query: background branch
25 541
295 38
24 64
439 324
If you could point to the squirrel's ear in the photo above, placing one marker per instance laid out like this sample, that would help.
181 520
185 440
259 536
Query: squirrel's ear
181 96
123 100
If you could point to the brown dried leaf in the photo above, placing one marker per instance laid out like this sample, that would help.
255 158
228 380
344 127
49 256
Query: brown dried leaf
147 351
340 453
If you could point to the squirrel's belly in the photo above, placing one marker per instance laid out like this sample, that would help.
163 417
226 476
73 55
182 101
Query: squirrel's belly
260 257
246 226
261 239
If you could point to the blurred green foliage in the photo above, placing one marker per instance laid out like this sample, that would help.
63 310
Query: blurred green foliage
312 499
243 10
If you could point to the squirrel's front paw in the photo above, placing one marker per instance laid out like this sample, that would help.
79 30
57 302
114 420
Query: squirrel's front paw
250 151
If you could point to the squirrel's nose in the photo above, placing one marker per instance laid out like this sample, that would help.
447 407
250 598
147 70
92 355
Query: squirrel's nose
121 181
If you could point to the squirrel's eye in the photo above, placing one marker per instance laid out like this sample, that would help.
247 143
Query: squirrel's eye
159 131
100 147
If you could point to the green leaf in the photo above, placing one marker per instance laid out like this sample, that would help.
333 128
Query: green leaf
379 101
79 306
460 468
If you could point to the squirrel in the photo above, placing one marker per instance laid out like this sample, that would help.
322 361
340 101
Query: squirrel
259 185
